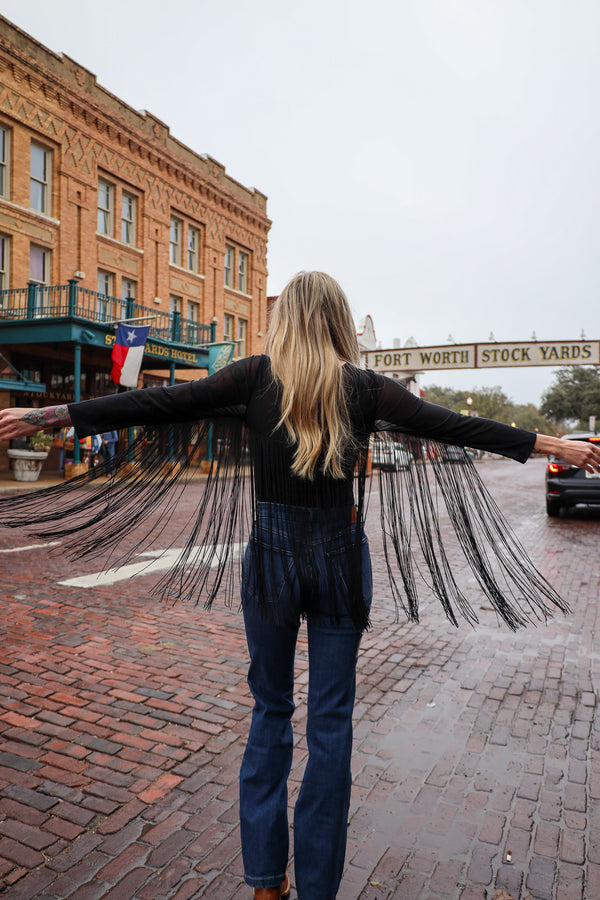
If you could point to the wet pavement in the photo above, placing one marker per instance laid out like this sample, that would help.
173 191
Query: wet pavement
122 724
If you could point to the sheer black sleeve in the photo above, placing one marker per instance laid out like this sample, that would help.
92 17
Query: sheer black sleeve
228 389
399 409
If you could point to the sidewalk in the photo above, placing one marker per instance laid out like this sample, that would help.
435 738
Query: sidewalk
8 485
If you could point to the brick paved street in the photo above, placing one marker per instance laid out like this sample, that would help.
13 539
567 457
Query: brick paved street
122 725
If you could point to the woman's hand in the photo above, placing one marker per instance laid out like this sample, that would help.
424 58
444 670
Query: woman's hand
22 421
12 424
583 454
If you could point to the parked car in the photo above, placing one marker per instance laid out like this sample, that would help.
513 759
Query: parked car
389 455
566 485
457 454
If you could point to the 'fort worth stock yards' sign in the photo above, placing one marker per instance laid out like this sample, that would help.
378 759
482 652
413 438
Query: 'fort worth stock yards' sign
485 356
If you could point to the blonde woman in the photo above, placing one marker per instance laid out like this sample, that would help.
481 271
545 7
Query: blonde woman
307 412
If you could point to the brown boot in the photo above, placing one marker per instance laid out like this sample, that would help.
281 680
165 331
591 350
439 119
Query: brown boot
278 893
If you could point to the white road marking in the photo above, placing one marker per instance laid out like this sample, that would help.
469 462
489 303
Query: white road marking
30 547
163 561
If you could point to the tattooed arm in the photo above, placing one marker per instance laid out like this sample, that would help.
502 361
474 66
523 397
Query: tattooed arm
20 422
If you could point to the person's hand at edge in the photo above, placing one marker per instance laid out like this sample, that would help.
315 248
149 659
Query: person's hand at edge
583 454
22 421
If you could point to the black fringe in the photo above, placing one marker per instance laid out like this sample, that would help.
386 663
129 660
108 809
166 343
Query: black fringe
95 512
445 476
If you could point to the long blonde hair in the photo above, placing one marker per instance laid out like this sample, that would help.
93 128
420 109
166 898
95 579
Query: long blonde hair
311 332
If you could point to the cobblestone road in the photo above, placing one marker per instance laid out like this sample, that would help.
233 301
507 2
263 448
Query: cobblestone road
122 724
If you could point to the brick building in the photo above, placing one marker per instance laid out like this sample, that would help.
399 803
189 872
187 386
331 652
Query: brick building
103 216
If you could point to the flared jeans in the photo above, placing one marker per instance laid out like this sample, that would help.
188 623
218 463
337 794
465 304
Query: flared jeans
321 810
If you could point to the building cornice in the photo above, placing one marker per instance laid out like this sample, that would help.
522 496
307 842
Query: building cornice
70 85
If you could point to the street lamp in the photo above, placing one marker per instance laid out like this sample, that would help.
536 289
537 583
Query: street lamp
469 405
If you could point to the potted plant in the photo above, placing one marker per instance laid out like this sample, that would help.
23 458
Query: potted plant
27 463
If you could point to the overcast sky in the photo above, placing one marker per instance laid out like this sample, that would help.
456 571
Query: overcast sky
441 158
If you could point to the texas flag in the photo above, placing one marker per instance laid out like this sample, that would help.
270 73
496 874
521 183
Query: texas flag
127 353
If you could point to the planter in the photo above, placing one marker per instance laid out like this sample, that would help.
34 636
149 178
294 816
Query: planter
72 470
27 464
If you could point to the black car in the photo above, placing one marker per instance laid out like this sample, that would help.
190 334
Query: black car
566 485
456 454
389 455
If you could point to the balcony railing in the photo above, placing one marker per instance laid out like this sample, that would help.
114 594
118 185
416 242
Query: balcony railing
40 301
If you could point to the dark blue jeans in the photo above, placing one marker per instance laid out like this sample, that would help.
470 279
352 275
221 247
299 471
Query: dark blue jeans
321 813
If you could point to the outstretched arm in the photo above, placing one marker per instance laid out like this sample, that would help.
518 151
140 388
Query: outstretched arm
20 422
578 453
414 416
228 388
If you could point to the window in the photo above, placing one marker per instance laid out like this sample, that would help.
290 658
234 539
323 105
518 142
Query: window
237 267
128 218
3 265
106 193
192 249
175 309
39 264
105 290
242 330
3 162
3 272
101 384
39 272
39 181
105 281
175 242
229 253
184 244
242 284
192 324
31 374
227 327
128 290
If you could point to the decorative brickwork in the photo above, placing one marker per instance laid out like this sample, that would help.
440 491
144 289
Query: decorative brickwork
87 134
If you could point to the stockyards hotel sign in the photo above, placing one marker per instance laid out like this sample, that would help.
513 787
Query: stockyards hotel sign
485 356
167 353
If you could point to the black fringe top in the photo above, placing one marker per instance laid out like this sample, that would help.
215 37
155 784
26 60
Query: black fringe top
235 413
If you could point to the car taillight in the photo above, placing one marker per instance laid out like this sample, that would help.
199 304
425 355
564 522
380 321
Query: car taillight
555 468
595 439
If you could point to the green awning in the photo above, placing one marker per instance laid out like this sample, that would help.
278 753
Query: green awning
12 380
6 384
